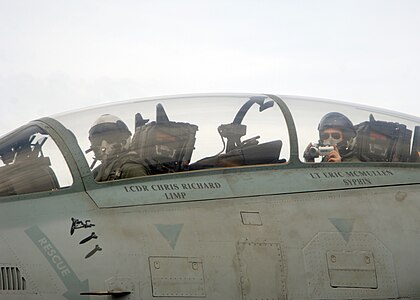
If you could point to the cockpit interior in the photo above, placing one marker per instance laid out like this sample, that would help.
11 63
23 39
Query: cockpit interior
194 133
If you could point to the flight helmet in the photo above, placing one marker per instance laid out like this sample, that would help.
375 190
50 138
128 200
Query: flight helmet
109 136
336 120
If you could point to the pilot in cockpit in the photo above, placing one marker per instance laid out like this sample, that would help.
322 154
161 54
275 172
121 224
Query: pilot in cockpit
336 140
110 141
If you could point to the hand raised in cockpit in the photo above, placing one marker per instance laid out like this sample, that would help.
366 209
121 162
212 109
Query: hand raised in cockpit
334 155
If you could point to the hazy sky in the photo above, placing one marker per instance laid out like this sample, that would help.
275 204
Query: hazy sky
61 55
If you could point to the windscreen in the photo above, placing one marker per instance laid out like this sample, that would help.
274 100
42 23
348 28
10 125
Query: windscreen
331 131
180 134
31 162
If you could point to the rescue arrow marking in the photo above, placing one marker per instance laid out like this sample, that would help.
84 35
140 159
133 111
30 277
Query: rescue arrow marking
58 263
170 232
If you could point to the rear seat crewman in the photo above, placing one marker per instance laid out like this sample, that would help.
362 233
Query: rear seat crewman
337 136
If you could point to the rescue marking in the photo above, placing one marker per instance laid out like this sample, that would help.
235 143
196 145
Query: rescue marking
58 263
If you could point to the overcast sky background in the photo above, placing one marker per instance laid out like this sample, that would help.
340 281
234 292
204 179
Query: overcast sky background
58 55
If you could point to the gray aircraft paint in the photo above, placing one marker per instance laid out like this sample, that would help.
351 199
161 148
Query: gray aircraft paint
58 263
279 231
344 226
170 232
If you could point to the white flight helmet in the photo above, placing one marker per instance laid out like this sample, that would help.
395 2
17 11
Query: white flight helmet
109 136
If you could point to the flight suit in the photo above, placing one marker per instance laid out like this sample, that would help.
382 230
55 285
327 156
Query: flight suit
124 166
